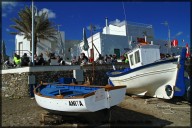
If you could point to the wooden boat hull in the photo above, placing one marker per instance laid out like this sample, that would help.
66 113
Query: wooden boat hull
162 79
104 97
155 80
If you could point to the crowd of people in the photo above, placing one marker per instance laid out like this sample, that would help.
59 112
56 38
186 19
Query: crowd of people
107 59
17 61
25 60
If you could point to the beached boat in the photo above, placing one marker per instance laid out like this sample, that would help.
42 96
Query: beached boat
61 97
147 74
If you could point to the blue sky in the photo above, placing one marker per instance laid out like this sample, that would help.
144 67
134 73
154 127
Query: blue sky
73 16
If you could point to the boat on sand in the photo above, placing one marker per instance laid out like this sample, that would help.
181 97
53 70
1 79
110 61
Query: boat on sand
147 74
61 97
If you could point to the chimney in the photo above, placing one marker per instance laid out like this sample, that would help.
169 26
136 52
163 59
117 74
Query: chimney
106 22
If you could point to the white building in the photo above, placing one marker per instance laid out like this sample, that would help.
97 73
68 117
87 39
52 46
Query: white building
43 46
121 36
117 38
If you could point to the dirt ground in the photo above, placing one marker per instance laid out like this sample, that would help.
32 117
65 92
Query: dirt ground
133 111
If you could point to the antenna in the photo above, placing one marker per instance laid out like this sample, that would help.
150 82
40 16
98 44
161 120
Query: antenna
126 27
169 41
124 11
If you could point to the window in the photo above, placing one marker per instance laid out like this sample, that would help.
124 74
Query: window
131 59
137 57
117 52
20 48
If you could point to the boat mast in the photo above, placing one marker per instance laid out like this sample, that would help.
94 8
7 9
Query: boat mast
91 26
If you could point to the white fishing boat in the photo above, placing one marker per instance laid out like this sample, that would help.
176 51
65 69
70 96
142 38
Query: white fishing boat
147 74
60 97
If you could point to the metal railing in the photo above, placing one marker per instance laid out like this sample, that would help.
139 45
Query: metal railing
21 52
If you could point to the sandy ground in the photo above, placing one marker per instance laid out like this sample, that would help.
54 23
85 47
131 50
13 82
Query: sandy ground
133 111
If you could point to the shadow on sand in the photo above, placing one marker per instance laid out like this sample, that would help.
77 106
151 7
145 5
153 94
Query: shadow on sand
178 101
114 117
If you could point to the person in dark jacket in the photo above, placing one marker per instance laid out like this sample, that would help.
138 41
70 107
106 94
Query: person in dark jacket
25 60
41 59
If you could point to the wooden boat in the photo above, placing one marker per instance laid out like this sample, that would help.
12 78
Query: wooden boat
147 74
61 97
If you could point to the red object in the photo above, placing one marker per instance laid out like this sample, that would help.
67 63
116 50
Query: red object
174 43
187 52
90 60
141 40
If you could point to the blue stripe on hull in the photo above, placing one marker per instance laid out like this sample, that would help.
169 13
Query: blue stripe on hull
128 70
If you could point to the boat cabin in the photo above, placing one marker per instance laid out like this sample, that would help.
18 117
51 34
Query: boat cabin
143 54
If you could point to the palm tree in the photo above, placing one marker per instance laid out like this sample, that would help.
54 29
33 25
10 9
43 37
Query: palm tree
43 27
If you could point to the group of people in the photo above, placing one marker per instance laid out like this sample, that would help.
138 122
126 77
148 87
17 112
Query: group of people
107 59
24 61
17 61
80 60
55 60
39 60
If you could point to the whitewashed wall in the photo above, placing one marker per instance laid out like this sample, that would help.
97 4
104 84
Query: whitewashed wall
25 47
111 42
106 44
42 46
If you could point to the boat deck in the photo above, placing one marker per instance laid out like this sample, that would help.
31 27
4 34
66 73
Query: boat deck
65 90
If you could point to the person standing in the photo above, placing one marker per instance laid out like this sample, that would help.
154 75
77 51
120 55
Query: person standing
41 60
14 59
126 58
84 59
25 60
18 61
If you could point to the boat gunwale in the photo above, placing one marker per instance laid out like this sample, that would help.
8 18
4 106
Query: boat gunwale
122 72
107 88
